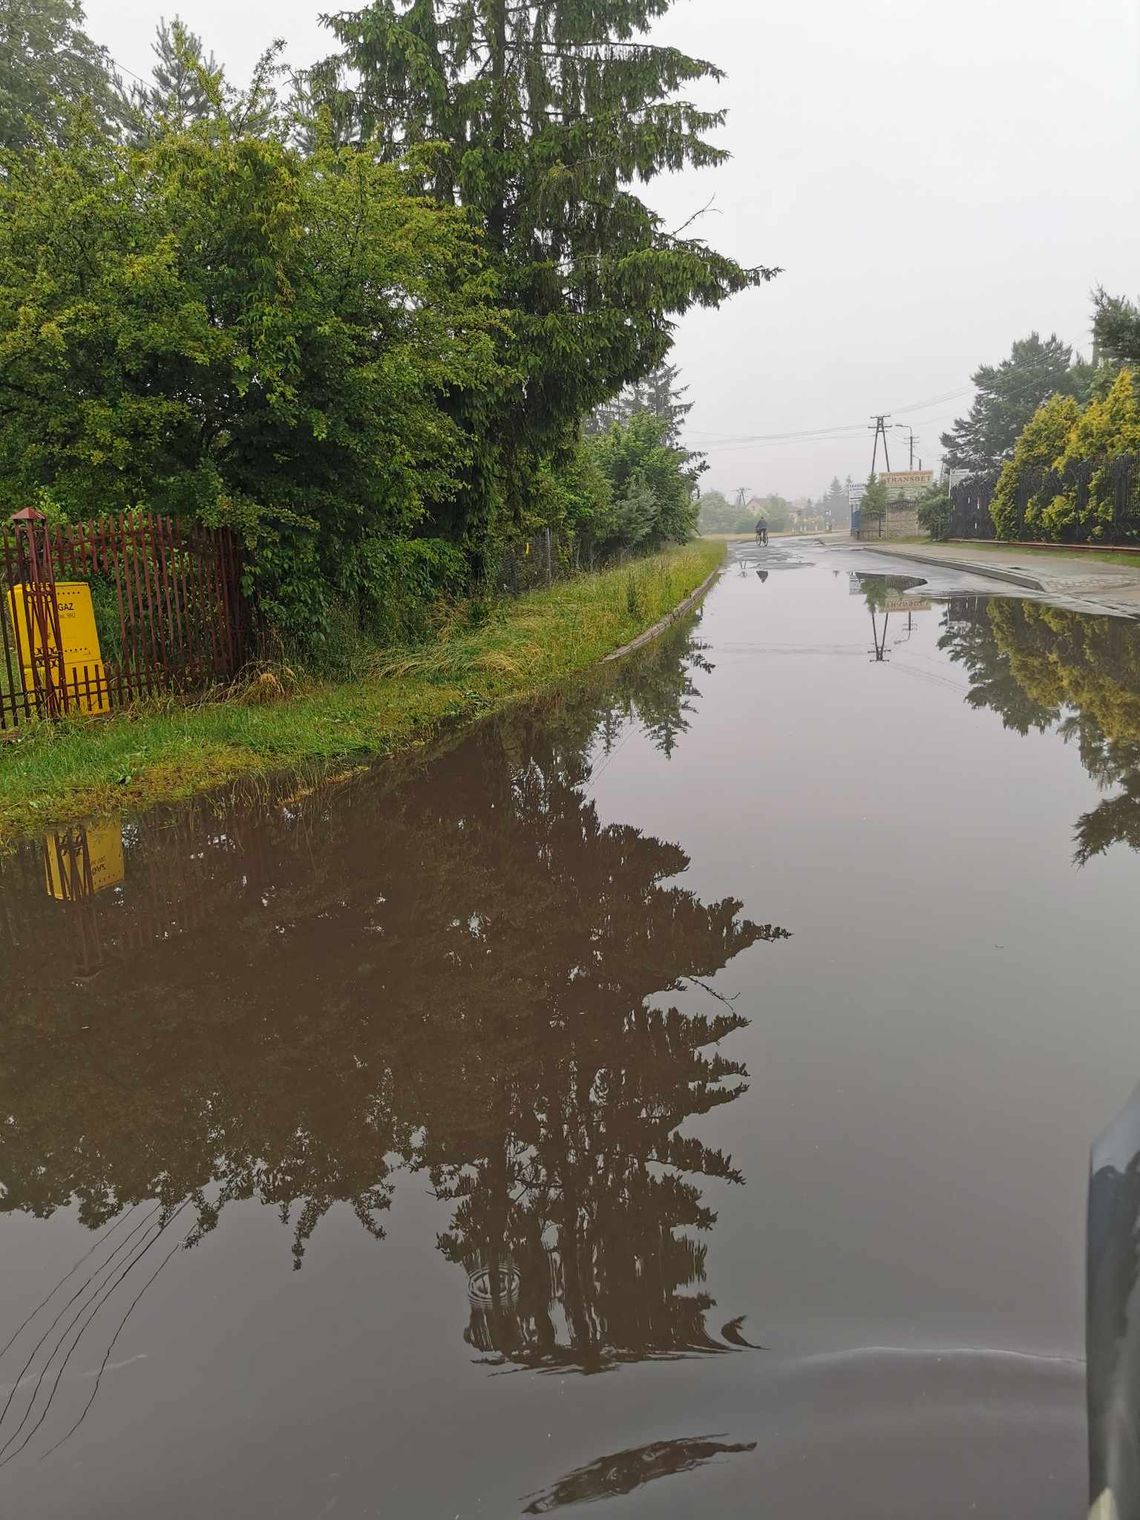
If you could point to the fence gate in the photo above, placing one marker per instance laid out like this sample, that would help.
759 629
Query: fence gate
97 615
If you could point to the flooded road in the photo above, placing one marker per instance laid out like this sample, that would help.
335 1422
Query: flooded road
674 1097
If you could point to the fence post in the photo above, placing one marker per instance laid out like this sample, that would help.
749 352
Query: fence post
549 560
41 613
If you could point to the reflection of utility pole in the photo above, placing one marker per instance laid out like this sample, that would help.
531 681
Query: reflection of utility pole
880 420
880 650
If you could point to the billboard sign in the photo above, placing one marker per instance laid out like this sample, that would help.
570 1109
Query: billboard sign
906 483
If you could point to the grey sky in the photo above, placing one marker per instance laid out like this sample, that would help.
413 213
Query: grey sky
938 177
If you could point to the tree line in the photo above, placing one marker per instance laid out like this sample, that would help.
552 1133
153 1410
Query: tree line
378 314
1050 427
717 514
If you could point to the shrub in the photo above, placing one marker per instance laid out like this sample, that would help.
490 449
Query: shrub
221 327
1025 491
935 514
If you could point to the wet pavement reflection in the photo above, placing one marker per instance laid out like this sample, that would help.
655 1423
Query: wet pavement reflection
734 1024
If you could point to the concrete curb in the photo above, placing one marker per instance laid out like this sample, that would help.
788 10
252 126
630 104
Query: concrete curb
667 621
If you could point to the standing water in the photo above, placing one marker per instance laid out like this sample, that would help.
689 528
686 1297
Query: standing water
675 1095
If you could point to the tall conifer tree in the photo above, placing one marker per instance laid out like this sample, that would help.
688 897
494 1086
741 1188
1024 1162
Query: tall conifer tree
550 113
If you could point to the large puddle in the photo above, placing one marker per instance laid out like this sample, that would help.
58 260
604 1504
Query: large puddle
675 1097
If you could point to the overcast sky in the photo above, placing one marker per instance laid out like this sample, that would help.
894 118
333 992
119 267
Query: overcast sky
937 177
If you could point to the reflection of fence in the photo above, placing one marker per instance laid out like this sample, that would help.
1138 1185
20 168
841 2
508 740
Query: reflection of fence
164 612
204 860
1103 502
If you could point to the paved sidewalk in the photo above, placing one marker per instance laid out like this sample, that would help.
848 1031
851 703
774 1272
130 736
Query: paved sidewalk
1100 585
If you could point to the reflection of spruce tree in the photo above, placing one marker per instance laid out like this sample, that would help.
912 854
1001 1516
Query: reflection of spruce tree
969 639
387 972
568 1219
1116 820
1040 666
555 1122
553 1110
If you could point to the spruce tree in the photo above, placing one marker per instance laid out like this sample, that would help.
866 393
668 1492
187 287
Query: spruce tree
1116 328
189 86
1008 395
549 113
660 393
182 73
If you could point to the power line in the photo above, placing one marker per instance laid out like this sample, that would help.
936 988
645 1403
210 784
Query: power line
125 70
817 432
726 442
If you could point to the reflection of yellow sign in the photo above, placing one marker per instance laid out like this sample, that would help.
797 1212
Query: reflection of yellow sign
82 658
80 862
905 604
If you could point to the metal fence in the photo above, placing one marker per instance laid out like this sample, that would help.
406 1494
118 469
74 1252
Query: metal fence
546 558
97 615
1112 518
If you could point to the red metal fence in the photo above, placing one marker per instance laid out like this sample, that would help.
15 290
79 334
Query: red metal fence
97 615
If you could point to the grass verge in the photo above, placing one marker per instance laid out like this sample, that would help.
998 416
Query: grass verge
1039 551
74 770
1062 551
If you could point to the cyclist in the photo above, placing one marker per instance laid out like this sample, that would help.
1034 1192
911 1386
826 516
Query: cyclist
762 532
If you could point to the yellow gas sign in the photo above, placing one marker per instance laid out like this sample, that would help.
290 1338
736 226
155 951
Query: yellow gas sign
82 657
80 862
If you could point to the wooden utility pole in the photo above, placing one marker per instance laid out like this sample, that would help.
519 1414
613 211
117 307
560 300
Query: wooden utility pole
880 421
905 427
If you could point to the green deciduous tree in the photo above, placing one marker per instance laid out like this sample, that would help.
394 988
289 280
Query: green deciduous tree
47 60
1062 480
716 514
1019 499
547 114
650 494
1008 395
1107 428
216 325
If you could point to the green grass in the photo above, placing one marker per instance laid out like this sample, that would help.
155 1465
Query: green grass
52 774
1059 551
1109 556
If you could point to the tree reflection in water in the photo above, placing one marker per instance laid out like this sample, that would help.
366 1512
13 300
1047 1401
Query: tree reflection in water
453 968
1043 667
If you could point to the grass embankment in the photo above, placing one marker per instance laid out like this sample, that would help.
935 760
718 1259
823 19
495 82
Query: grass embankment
84 768
1047 552
1040 551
